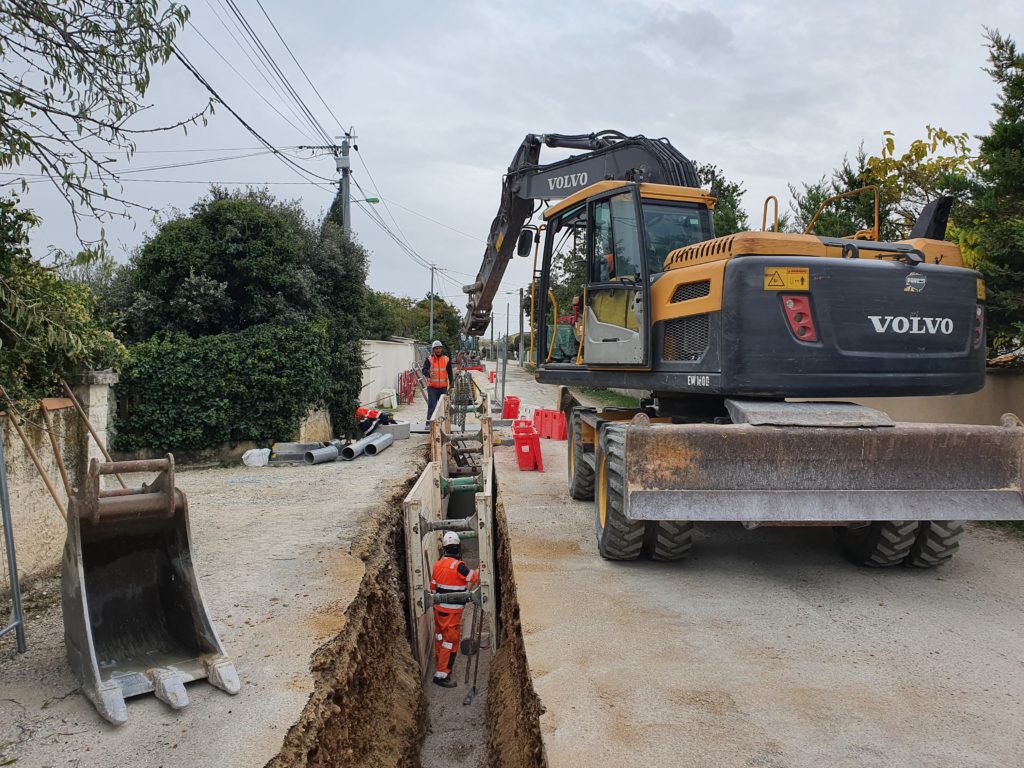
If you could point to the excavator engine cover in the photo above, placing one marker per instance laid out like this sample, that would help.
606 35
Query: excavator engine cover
776 468
134 619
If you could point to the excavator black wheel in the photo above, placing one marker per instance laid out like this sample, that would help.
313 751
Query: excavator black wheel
618 537
881 544
668 539
936 543
581 472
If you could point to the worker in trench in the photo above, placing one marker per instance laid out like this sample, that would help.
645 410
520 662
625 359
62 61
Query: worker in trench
437 369
451 575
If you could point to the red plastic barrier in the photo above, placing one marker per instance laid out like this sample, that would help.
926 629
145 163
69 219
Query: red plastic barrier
510 408
491 376
556 425
527 444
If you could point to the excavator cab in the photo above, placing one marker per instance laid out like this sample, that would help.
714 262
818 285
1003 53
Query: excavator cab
624 232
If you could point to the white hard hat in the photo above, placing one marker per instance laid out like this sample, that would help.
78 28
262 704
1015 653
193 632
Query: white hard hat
450 538
436 344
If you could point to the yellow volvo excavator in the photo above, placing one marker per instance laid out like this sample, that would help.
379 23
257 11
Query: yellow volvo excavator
724 331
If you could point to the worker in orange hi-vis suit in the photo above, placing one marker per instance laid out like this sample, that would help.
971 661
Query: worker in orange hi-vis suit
437 368
450 575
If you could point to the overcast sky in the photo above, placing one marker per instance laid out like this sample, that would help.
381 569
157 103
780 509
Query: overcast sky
441 94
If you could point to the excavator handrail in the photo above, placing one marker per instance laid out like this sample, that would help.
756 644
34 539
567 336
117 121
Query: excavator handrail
764 214
840 196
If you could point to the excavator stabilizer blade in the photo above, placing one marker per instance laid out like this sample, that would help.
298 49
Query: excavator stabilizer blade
134 619
827 474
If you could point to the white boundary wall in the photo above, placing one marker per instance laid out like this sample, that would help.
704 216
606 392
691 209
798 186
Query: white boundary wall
383 362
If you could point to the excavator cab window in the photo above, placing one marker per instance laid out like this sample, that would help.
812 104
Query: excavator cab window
671 225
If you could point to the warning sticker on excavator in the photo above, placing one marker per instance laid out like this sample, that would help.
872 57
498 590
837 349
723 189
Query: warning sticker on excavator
787 278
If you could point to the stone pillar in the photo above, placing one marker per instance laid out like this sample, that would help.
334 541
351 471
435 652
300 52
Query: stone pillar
93 391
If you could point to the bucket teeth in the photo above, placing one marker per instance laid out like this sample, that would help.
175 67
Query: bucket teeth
220 672
168 686
109 700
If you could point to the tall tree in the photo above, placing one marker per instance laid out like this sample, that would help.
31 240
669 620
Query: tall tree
996 215
729 217
74 76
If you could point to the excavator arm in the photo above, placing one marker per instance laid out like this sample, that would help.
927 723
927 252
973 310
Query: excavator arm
607 155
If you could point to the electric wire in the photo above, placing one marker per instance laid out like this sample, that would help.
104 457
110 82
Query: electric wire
288 48
243 78
261 68
268 57
302 172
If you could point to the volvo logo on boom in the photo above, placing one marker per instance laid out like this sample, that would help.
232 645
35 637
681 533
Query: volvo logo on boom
568 181
909 325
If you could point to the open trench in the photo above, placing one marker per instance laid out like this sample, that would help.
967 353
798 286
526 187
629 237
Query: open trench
369 707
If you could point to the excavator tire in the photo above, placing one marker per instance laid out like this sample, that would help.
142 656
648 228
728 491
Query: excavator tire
880 544
618 537
937 541
581 472
668 539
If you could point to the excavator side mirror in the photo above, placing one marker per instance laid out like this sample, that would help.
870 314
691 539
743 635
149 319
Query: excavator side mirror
525 242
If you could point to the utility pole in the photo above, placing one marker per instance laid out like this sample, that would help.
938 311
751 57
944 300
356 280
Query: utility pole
431 304
521 339
345 168
493 356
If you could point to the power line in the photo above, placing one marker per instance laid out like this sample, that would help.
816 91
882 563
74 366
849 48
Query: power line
204 182
243 78
287 48
435 221
280 155
190 163
268 57
261 68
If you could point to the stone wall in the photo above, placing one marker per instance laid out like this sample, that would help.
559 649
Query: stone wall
37 525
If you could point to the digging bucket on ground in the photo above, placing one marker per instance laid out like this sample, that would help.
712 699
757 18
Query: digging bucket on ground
134 619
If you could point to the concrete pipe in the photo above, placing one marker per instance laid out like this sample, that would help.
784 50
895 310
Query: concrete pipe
378 443
352 450
321 455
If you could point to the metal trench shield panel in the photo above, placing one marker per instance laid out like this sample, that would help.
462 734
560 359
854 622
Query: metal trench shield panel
742 472
134 619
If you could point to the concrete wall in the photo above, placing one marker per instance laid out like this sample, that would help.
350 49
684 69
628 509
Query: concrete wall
384 360
1003 393
37 525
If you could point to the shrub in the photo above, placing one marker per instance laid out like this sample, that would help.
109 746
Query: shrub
183 393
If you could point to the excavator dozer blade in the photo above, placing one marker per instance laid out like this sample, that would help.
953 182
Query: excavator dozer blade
824 474
134 619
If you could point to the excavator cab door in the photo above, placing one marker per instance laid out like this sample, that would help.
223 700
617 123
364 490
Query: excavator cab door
615 326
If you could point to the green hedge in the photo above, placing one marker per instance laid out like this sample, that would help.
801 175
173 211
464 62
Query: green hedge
183 393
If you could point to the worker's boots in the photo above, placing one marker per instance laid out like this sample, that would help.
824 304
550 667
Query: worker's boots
445 682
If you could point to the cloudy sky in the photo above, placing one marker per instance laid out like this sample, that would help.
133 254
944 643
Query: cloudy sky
441 94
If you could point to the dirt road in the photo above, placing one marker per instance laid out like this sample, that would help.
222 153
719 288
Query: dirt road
765 648
273 551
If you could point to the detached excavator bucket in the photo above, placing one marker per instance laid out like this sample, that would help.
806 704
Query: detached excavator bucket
799 466
134 619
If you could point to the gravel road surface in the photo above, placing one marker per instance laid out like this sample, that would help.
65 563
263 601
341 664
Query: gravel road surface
765 648
272 548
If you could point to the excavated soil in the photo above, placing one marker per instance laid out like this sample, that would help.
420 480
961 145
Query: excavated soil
513 711
367 708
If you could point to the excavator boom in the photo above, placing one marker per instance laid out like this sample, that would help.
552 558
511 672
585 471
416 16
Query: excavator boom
607 155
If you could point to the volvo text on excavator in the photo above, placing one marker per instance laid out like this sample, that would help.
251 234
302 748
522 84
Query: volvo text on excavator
727 334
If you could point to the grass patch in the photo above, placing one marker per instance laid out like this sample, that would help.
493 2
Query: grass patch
1014 527
607 397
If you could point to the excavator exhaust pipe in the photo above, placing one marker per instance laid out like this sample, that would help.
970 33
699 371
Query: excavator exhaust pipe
134 619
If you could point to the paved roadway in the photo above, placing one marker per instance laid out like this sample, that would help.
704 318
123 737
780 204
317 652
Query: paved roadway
765 648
